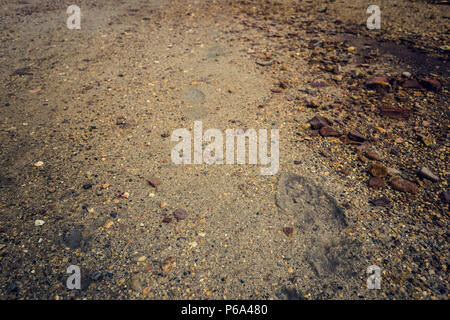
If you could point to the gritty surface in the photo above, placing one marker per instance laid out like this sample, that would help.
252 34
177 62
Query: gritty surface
87 178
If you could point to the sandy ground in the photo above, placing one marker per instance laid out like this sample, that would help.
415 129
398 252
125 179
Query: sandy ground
87 117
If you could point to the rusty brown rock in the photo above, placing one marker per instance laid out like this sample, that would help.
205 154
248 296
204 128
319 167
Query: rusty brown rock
372 155
154 182
318 122
327 131
411 84
395 113
377 183
378 170
403 185
356 136
431 84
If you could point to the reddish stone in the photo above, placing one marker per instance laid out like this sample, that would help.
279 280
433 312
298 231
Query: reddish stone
318 122
403 185
355 135
154 182
431 84
372 156
412 84
395 113
378 170
327 131
377 183
180 214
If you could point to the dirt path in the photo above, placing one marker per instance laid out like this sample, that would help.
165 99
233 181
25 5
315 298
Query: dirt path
87 117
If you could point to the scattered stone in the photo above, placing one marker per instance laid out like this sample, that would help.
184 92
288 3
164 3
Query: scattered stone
355 135
121 121
426 140
395 113
372 156
38 164
431 84
113 214
411 84
275 90
289 231
406 74
403 185
108 224
168 264
38 223
394 172
378 170
25 71
154 182
426 173
167 220
318 122
327 131
346 140
142 259
87 186
180 214
263 63
319 84
376 183
381 202
193 244
376 82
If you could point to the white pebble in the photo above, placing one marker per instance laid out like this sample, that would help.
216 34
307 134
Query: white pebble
38 223
39 164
